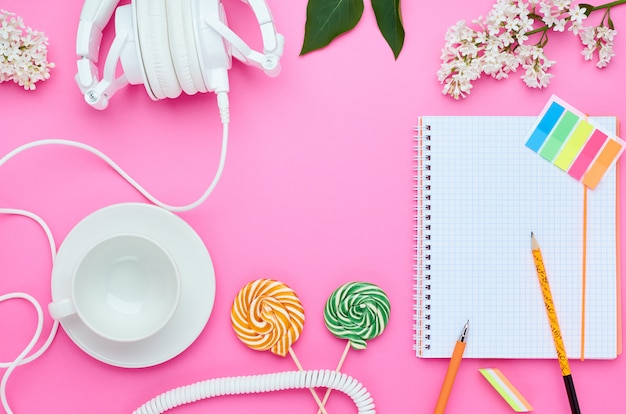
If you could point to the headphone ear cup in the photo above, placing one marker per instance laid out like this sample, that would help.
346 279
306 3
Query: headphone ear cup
152 31
183 46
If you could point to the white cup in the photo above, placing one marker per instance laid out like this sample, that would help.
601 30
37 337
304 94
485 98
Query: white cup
125 288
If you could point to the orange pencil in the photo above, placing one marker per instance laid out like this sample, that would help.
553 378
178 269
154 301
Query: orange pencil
455 361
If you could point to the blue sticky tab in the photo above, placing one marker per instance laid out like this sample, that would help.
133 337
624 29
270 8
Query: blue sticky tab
544 127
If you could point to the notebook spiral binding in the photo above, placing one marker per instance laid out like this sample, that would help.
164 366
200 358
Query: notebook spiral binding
422 234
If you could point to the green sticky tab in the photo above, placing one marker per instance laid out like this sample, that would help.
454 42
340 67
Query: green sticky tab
559 135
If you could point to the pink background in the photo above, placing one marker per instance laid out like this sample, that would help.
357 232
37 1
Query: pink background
316 192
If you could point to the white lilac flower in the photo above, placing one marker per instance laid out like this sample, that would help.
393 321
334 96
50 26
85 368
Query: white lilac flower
526 26
605 34
537 65
23 52
588 36
503 41
562 5
605 54
559 25
598 39
577 14
546 10
588 52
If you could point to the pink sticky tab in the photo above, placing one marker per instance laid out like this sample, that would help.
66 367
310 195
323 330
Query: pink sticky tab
587 155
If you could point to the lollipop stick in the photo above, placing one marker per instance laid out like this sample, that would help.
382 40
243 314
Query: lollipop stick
339 365
313 393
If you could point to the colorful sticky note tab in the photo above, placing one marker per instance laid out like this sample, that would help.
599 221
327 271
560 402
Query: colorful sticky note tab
558 135
504 387
565 137
574 145
549 119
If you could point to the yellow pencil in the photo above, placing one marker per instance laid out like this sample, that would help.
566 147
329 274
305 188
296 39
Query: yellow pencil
554 325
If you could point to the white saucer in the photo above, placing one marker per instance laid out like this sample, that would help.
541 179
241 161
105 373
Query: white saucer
197 282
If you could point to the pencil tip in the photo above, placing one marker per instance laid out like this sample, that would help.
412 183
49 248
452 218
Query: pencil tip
464 332
534 244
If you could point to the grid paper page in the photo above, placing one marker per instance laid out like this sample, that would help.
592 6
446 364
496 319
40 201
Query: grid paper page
487 193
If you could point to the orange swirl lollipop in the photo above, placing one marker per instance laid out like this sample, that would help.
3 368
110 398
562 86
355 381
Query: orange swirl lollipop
267 314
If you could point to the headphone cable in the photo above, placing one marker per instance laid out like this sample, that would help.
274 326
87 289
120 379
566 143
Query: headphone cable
22 357
223 105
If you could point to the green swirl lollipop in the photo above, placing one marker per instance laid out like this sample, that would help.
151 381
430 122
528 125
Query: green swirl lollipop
358 312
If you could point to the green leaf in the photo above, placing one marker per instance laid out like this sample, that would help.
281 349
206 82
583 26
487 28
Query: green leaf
327 19
389 21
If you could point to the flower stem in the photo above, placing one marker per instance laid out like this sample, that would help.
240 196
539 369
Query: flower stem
607 5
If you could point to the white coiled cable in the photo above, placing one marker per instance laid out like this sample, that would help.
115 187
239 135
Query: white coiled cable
253 384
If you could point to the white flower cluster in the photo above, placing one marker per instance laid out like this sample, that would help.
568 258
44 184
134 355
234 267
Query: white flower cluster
513 35
23 52
598 39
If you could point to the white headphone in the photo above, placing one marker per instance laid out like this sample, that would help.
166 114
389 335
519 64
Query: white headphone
170 46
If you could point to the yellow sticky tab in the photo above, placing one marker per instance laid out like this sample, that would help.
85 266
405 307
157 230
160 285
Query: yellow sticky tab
574 145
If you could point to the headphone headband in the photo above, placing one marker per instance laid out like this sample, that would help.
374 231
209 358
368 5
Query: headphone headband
96 14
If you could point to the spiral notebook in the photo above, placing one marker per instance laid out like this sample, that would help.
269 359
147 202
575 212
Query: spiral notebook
479 192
